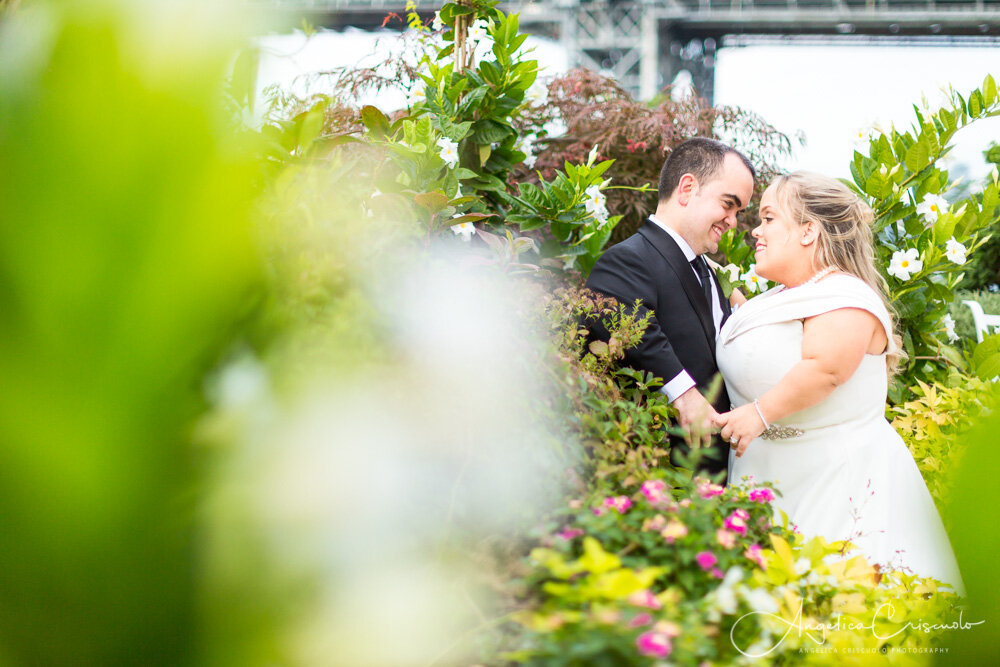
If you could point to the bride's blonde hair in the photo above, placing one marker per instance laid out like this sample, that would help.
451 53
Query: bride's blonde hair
845 238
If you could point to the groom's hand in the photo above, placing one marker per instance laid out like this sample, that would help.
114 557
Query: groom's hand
697 416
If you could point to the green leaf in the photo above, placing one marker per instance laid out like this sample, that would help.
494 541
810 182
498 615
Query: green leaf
917 156
989 90
432 201
976 103
376 121
986 358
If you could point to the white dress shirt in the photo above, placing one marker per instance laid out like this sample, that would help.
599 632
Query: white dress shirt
683 380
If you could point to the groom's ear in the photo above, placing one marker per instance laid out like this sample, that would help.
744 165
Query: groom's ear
686 187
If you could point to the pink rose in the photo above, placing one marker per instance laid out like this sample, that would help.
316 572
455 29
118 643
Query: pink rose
569 533
673 531
717 573
706 560
640 620
620 504
755 553
707 490
654 524
737 522
668 628
725 538
645 599
654 644
763 495
655 491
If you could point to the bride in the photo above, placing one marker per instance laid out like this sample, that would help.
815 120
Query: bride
807 366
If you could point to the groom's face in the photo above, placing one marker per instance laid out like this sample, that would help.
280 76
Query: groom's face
713 205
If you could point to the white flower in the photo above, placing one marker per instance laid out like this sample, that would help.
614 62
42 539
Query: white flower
949 328
802 566
596 204
932 207
761 601
592 156
437 24
418 95
479 30
725 598
537 94
955 251
466 229
449 151
524 145
753 281
905 263
732 272
995 174
883 170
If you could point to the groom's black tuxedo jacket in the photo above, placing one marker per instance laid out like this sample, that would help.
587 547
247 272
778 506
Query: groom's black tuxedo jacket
650 266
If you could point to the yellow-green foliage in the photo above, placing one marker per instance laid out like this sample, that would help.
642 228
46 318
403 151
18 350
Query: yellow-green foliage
933 425
808 604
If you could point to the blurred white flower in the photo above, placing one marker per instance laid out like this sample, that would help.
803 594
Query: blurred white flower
905 263
448 152
466 229
955 251
802 566
437 24
761 600
592 156
753 282
525 145
949 328
537 94
931 207
479 30
596 204
418 95
732 272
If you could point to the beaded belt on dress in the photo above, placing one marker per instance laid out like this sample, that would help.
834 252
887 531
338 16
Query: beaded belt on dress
779 432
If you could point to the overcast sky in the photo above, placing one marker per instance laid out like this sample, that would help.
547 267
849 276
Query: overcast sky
832 92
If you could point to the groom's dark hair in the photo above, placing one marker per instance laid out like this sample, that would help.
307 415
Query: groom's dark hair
700 157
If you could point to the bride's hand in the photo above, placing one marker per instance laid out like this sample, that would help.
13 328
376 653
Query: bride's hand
740 426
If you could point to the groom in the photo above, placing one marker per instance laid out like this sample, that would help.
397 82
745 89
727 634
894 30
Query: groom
703 185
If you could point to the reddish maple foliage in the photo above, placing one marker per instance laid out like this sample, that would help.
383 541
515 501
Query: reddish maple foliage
596 110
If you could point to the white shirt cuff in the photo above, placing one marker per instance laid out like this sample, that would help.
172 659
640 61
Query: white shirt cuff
681 383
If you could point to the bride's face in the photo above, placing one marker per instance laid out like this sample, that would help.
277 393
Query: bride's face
778 237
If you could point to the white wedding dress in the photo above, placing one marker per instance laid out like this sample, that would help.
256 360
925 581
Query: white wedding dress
843 471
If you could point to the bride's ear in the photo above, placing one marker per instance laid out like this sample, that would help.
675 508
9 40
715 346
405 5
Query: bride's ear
810 232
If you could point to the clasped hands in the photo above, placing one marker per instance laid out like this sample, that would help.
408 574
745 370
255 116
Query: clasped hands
738 426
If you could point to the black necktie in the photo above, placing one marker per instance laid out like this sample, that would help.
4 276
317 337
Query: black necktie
701 268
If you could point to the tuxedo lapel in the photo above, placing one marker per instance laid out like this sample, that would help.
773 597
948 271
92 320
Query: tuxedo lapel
727 310
675 259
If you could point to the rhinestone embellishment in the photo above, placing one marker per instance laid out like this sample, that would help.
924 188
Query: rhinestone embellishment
779 432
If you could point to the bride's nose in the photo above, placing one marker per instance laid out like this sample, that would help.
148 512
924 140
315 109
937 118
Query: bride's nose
755 232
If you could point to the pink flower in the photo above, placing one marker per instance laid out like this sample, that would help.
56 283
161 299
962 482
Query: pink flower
674 530
686 502
655 491
707 490
763 495
654 644
717 573
645 599
668 628
725 538
706 560
755 553
737 522
569 533
620 504
598 511
655 524
640 620
742 513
